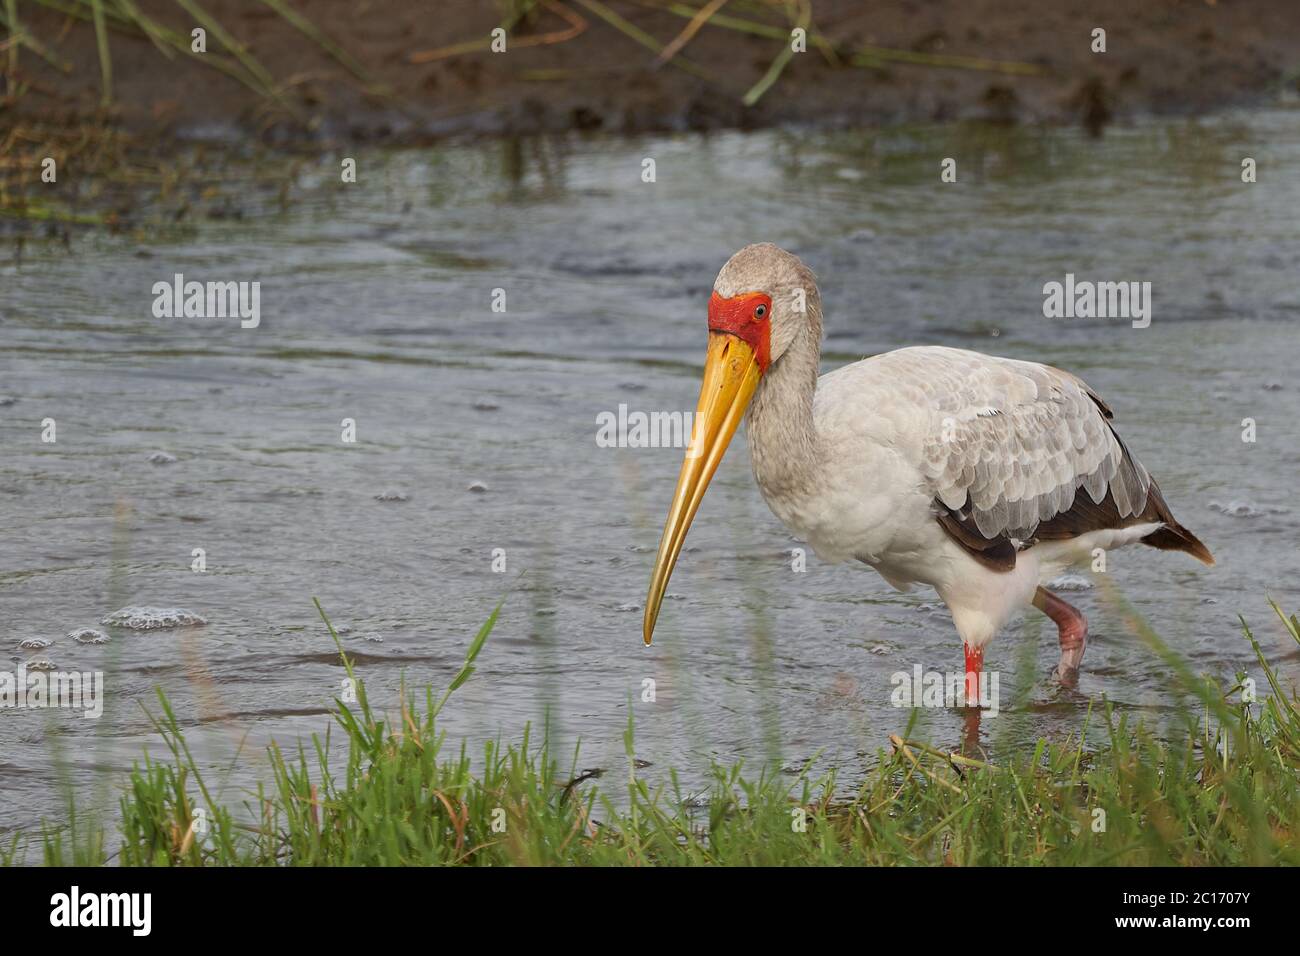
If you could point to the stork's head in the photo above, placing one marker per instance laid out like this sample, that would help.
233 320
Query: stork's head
763 300
766 297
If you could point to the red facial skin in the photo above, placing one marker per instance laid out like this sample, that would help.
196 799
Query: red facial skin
736 316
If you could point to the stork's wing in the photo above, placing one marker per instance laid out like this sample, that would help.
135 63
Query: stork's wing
1017 452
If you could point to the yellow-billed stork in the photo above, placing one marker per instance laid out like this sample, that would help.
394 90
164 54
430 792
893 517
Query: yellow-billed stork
980 476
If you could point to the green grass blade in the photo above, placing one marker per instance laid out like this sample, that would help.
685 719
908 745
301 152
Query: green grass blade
11 71
308 29
105 60
778 66
236 48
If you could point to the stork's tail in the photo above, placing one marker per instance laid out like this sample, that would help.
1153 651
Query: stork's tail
1174 537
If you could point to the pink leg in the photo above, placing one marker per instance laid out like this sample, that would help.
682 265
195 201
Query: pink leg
974 662
971 723
1073 634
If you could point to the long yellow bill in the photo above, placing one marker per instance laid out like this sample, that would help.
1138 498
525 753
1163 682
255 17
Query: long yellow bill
731 374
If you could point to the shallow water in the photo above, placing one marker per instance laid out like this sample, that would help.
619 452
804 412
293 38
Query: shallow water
476 431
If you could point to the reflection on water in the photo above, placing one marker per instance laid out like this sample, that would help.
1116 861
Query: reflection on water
476 472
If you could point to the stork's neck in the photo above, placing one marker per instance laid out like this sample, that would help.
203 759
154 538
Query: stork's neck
783 440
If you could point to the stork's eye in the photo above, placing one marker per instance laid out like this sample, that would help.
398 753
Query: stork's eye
760 312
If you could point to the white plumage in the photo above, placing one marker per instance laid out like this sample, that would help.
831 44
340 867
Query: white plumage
1014 440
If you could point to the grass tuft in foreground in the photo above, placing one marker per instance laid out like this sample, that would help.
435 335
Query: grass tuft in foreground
1225 791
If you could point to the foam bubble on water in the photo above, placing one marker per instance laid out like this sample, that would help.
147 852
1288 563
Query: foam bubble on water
1245 509
1070 582
34 643
41 664
7 400
477 487
390 496
162 458
153 618
291 491
88 635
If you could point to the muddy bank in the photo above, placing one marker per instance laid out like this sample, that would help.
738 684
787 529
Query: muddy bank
407 72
